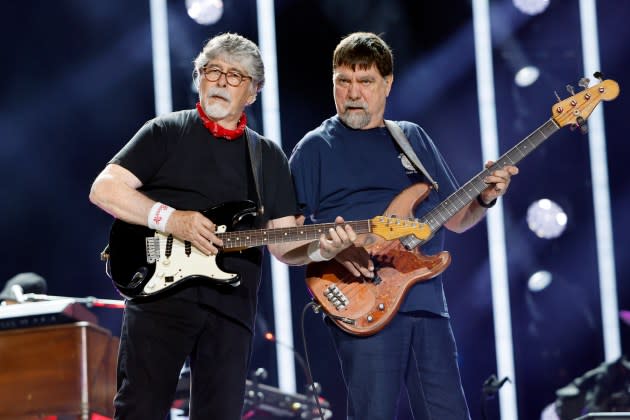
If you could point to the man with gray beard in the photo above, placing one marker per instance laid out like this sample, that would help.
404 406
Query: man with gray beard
351 166
163 181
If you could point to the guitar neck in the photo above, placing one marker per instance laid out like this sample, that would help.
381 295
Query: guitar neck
469 191
241 239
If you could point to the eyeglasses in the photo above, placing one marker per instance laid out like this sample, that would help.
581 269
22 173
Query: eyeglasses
233 78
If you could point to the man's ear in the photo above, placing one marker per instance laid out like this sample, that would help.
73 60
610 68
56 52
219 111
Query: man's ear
251 99
389 80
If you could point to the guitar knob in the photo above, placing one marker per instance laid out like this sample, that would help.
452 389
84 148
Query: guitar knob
571 90
599 76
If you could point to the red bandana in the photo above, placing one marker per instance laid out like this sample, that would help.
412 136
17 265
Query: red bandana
222 132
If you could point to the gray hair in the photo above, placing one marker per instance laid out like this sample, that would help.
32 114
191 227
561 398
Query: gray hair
236 49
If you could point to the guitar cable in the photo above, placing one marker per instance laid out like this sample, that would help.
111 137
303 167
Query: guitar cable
309 379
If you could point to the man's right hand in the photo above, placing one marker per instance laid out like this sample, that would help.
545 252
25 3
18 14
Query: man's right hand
357 261
194 227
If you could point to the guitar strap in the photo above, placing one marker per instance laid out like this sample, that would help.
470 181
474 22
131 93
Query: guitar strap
403 142
255 157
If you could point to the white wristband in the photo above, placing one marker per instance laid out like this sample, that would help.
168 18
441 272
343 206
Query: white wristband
314 252
158 216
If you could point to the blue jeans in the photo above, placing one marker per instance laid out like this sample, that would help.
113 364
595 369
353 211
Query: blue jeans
416 352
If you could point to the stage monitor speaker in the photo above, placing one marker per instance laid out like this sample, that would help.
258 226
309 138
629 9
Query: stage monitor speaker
605 416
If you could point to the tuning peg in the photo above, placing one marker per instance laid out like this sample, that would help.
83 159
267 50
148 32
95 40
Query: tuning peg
599 76
584 82
581 123
557 96
583 128
570 90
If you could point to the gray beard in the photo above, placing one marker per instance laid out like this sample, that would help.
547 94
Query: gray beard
216 111
355 120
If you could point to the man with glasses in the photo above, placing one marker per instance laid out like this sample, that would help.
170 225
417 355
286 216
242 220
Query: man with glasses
174 167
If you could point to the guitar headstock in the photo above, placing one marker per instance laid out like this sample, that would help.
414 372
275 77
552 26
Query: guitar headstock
577 108
393 228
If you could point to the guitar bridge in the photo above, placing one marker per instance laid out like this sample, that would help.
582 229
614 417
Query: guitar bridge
153 249
336 297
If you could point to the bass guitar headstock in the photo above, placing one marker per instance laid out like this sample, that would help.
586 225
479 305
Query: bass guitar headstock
574 110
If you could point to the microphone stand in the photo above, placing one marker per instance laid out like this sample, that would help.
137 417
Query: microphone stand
489 389
313 388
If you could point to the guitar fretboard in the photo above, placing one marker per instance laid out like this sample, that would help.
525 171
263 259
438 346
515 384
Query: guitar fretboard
469 191
252 238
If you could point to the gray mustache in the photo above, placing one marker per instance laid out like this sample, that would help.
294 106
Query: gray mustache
355 105
220 93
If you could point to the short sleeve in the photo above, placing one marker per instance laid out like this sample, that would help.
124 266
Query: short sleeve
305 169
145 153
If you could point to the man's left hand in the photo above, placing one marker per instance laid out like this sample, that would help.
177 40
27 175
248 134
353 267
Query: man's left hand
337 239
498 182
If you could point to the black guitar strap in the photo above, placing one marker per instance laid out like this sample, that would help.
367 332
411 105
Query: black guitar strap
403 142
255 157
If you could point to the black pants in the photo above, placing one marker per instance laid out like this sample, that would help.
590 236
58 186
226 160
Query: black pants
156 338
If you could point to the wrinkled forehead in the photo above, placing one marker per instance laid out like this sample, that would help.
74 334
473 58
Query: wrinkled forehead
227 63
348 70
225 58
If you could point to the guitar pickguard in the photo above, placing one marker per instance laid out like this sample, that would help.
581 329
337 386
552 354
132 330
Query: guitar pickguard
183 263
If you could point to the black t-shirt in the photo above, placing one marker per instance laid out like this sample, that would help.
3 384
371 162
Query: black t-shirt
180 163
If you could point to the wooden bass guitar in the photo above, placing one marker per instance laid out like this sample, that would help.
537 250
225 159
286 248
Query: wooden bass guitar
362 306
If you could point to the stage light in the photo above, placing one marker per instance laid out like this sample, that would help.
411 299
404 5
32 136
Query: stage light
525 73
526 76
546 219
531 7
205 12
539 281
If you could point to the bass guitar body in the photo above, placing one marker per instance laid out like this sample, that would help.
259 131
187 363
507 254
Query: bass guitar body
363 306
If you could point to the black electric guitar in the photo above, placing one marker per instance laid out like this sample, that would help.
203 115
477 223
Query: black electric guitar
363 306
143 262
